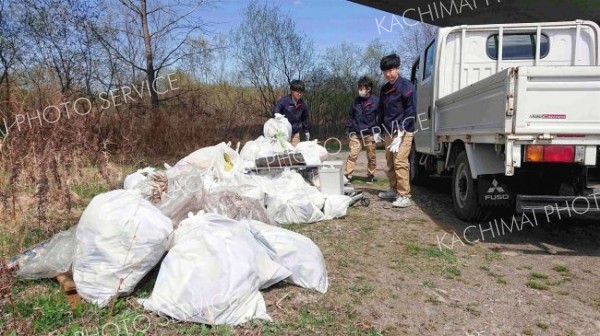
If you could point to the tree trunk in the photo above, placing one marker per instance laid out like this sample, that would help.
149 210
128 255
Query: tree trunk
149 57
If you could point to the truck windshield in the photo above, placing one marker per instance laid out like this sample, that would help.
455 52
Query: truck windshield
517 46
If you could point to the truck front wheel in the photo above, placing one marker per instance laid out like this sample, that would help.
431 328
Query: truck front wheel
464 192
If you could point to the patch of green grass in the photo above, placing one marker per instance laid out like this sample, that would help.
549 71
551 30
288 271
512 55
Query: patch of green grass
359 181
536 275
560 268
528 331
528 267
294 227
432 252
367 228
493 256
536 285
89 189
319 318
362 289
356 331
452 271
552 282
400 263
428 283
597 303
501 281
48 311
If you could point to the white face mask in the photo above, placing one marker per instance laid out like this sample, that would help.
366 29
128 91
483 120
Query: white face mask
363 93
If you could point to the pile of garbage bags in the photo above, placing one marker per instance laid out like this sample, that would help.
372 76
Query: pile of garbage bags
217 225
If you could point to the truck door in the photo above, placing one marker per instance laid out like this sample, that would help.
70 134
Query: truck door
423 81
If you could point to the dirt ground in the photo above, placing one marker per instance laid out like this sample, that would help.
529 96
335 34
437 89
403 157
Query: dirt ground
541 280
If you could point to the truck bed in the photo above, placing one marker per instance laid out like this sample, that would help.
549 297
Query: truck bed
524 100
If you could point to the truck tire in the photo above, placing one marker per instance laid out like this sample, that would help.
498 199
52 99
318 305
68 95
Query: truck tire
417 174
464 192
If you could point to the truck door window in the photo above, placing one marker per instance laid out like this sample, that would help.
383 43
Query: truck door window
429 56
517 46
414 74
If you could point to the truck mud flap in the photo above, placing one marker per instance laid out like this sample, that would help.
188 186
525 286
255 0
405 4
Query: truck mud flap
492 191
578 205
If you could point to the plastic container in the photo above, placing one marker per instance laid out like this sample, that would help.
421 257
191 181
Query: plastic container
331 178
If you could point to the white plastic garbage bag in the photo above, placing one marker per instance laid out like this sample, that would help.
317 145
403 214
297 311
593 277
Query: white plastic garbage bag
293 207
50 258
141 175
252 186
120 237
251 149
184 192
295 252
221 160
336 206
311 150
290 181
278 127
229 203
213 274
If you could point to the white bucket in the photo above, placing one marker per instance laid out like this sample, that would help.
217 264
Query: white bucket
331 178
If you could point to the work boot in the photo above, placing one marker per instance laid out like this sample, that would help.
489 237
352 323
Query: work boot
402 202
348 178
390 194
370 179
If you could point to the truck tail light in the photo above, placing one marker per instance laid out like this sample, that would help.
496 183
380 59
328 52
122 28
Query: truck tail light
550 153
534 153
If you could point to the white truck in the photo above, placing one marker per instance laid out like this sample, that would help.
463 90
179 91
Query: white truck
512 112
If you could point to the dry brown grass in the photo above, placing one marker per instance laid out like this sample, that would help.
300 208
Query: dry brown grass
49 172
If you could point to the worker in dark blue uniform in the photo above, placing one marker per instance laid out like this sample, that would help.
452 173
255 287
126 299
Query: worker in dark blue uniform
396 115
294 108
362 121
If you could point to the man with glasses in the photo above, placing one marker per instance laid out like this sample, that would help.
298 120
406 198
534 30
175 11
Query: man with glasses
396 115
294 108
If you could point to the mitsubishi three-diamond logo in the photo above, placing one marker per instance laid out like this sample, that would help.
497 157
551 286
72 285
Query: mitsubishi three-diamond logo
495 187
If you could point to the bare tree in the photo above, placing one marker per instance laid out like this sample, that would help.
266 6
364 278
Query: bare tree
412 41
344 63
209 65
9 49
56 39
371 59
270 51
149 36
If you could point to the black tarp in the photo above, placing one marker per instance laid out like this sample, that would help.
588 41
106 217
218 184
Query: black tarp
458 12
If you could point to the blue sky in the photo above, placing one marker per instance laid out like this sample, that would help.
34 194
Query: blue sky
327 22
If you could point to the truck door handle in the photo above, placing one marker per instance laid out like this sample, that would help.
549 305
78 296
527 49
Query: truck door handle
429 113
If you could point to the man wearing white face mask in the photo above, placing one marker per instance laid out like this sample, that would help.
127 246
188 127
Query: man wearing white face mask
362 119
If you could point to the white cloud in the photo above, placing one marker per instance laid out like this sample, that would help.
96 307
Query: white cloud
297 2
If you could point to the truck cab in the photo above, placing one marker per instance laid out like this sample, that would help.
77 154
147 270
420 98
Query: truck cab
512 112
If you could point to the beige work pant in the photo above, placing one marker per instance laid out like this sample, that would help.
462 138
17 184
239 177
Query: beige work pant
295 139
397 169
356 144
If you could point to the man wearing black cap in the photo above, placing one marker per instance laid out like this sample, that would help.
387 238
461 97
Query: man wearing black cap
294 108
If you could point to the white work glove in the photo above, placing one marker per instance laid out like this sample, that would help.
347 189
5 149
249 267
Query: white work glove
394 147
307 135
377 138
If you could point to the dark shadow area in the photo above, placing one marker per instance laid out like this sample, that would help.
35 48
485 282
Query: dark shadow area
526 233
